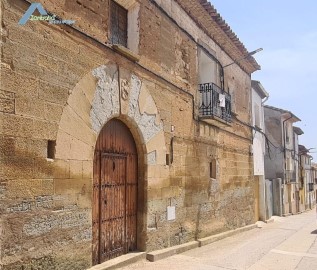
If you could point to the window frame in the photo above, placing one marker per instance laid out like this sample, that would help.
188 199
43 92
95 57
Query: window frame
131 47
116 11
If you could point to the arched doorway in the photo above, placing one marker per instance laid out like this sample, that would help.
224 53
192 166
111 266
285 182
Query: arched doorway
114 192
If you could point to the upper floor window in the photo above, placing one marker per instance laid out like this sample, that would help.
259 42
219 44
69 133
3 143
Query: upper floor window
210 70
118 24
214 101
124 26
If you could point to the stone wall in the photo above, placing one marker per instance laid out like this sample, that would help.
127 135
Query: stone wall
60 85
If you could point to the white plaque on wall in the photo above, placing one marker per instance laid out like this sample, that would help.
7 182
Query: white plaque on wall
171 215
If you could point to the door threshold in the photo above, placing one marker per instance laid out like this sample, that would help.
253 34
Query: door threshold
120 261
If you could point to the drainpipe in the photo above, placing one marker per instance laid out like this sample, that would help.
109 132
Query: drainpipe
284 146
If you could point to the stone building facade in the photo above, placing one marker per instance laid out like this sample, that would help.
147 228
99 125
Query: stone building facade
66 89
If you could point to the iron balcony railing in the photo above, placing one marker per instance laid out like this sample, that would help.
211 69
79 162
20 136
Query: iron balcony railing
214 102
290 176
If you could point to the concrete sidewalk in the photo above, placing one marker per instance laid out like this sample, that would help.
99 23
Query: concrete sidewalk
287 243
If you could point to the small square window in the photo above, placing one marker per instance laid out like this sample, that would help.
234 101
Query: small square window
213 169
51 145
118 24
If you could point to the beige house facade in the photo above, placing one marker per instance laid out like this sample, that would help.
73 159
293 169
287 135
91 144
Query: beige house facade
263 194
122 131
280 159
307 177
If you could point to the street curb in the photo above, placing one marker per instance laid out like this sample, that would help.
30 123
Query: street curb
217 237
153 256
271 220
167 252
120 261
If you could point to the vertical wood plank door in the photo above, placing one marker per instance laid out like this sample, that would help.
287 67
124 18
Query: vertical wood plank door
114 193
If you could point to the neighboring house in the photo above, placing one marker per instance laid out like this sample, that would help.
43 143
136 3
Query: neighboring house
280 160
259 96
308 195
129 130
314 178
298 187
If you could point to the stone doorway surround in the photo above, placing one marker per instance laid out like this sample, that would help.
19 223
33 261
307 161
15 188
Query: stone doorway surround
105 93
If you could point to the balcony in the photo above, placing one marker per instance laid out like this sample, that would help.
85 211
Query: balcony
290 176
215 103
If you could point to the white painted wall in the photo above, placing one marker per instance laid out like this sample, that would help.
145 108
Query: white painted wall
259 139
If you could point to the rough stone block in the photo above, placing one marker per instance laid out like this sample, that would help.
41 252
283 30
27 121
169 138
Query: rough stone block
73 186
71 123
44 130
16 126
29 188
61 169
155 193
7 146
88 169
7 102
30 107
76 169
49 63
80 104
43 168
18 83
88 86
52 112
80 150
167 192
53 93
63 142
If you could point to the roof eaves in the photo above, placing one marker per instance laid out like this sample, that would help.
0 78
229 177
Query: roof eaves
228 31
283 111
258 87
298 130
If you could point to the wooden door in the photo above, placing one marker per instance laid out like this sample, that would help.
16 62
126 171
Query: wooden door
114 193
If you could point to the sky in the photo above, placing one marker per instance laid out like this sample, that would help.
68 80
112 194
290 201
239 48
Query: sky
287 32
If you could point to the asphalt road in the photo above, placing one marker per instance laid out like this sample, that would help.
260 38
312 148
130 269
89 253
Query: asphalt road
287 243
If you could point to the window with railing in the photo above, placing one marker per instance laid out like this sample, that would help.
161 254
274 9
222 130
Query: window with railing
290 176
310 187
214 102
